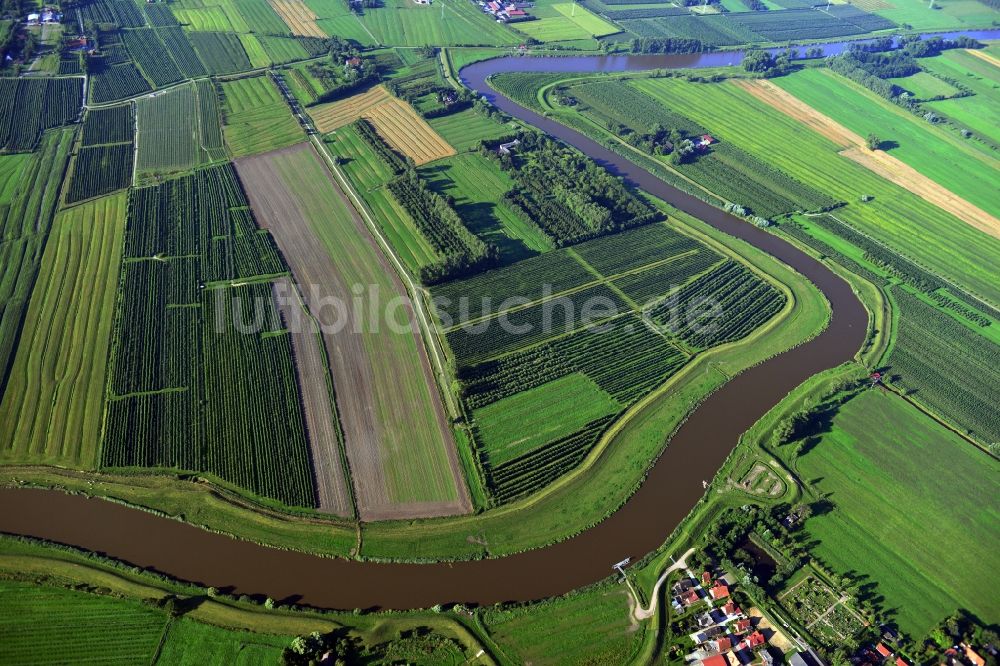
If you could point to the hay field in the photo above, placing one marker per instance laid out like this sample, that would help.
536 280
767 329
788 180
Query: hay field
299 18
334 115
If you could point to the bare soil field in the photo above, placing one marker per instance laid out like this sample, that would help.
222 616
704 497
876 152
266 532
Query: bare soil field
407 132
313 374
299 18
333 115
399 444
877 161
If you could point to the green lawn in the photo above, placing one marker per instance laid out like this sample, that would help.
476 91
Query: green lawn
465 129
981 112
516 425
923 85
477 186
918 229
54 403
191 643
588 628
915 508
257 118
943 156
945 14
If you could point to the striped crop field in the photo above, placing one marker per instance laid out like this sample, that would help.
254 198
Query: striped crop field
52 408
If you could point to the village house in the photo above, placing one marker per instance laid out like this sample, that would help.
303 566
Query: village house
974 658
883 651
719 591
715 660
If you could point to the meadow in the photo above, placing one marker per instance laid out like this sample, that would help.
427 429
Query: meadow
909 528
477 187
893 215
924 86
942 155
589 627
401 455
948 15
256 117
446 23
565 21
979 112
465 129
54 401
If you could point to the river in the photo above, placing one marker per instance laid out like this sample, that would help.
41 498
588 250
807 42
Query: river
671 489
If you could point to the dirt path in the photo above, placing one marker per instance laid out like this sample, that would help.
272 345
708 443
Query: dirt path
639 613
877 161
321 422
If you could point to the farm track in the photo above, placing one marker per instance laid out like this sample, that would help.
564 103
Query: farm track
878 162
312 369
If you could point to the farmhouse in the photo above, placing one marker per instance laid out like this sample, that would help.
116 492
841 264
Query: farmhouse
705 140
505 148
974 658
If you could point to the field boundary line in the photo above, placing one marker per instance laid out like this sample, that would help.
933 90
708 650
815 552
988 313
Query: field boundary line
415 291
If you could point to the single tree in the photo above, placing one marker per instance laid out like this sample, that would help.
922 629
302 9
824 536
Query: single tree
873 141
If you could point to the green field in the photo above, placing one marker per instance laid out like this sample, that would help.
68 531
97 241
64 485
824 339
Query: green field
256 117
914 505
191 643
565 21
941 155
11 167
944 244
980 112
465 129
445 23
516 425
588 628
945 15
43 625
923 85
52 409
255 51
477 185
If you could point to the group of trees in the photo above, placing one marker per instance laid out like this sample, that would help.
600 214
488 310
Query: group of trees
338 78
758 61
568 196
668 45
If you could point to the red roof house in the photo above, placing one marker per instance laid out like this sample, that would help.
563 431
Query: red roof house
716 660
901 662
724 644
973 656
706 578
730 608
742 625
755 640
689 597
883 650
720 591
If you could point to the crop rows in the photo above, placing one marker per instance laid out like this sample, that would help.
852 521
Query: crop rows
123 13
722 306
191 388
625 357
69 63
540 467
520 328
110 125
148 51
30 106
529 279
100 170
180 49
652 284
209 123
936 356
716 30
113 82
159 15
634 249
792 24
221 52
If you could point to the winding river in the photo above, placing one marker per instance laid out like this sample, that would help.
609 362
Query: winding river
672 487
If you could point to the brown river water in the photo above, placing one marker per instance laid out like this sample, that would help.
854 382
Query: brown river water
672 488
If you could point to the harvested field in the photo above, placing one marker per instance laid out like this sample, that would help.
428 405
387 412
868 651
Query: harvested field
299 18
877 161
399 444
313 374
983 55
404 130
333 115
